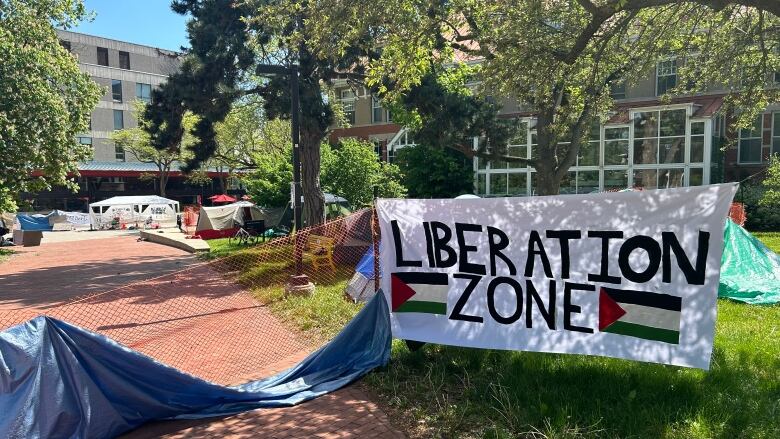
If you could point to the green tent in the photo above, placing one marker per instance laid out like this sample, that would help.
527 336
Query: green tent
750 272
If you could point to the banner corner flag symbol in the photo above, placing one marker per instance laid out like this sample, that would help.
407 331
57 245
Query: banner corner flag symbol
419 292
640 314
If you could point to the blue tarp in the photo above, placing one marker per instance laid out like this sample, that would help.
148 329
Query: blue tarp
29 222
61 381
366 265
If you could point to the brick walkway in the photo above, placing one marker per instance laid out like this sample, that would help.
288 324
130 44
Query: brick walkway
193 319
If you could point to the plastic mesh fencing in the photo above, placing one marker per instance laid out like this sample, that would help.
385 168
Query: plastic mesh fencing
213 319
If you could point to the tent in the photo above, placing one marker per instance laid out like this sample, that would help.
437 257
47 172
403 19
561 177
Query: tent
224 221
335 207
133 209
750 272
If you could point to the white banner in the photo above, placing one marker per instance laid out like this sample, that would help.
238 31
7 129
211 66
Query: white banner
629 275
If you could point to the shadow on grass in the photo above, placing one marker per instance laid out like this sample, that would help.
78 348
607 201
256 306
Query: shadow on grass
456 392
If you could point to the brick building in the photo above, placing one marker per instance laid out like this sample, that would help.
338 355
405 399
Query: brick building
644 143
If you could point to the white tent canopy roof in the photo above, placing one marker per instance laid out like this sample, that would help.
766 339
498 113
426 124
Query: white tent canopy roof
134 199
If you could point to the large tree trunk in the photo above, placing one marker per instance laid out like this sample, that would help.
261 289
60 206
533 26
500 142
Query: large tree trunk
547 182
313 198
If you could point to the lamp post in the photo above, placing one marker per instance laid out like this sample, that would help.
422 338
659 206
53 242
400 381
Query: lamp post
295 97
299 283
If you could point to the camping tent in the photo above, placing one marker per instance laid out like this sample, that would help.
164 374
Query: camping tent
335 207
133 209
750 272
224 221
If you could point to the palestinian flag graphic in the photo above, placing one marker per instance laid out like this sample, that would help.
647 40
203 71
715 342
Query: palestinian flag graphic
652 316
419 292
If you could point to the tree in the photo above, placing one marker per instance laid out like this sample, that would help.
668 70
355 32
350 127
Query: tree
350 170
435 172
244 135
45 101
557 58
137 142
771 184
269 184
229 40
353 169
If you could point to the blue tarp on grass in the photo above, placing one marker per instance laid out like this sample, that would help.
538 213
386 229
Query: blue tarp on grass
61 381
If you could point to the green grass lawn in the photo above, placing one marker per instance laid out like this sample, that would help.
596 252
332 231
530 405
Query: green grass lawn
442 391
5 254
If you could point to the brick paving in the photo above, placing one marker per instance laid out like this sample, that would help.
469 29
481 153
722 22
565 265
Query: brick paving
191 318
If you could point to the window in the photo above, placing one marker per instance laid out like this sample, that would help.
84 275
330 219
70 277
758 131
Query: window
750 142
348 105
119 152
65 45
119 120
143 92
666 76
617 90
589 152
616 146
659 137
102 56
776 133
377 112
615 180
85 140
116 90
777 78
697 142
124 60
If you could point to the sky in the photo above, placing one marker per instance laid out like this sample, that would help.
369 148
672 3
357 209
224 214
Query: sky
147 22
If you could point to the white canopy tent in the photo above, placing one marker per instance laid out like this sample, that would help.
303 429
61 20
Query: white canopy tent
133 209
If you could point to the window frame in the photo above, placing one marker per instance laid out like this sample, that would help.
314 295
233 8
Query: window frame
348 104
121 114
760 138
376 105
658 75
114 94
119 153
103 50
127 57
139 86
774 146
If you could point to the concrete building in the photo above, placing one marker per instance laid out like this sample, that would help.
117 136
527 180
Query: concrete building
128 72
644 144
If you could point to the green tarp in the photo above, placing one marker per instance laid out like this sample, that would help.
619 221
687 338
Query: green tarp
750 272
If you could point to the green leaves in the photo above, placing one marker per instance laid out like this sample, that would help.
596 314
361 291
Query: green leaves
45 101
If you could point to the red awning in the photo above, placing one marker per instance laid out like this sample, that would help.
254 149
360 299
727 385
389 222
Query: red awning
222 198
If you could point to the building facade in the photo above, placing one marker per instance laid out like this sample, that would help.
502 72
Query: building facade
127 72
686 141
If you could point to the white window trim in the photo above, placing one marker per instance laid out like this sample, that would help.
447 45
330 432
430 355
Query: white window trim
657 65
629 168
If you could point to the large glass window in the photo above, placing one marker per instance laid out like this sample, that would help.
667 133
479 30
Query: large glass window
669 178
617 90
517 182
666 76
143 92
116 90
119 120
498 184
616 146
776 133
646 178
659 137
102 56
750 142
615 180
589 151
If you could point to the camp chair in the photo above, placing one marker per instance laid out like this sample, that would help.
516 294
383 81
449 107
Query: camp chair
321 250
